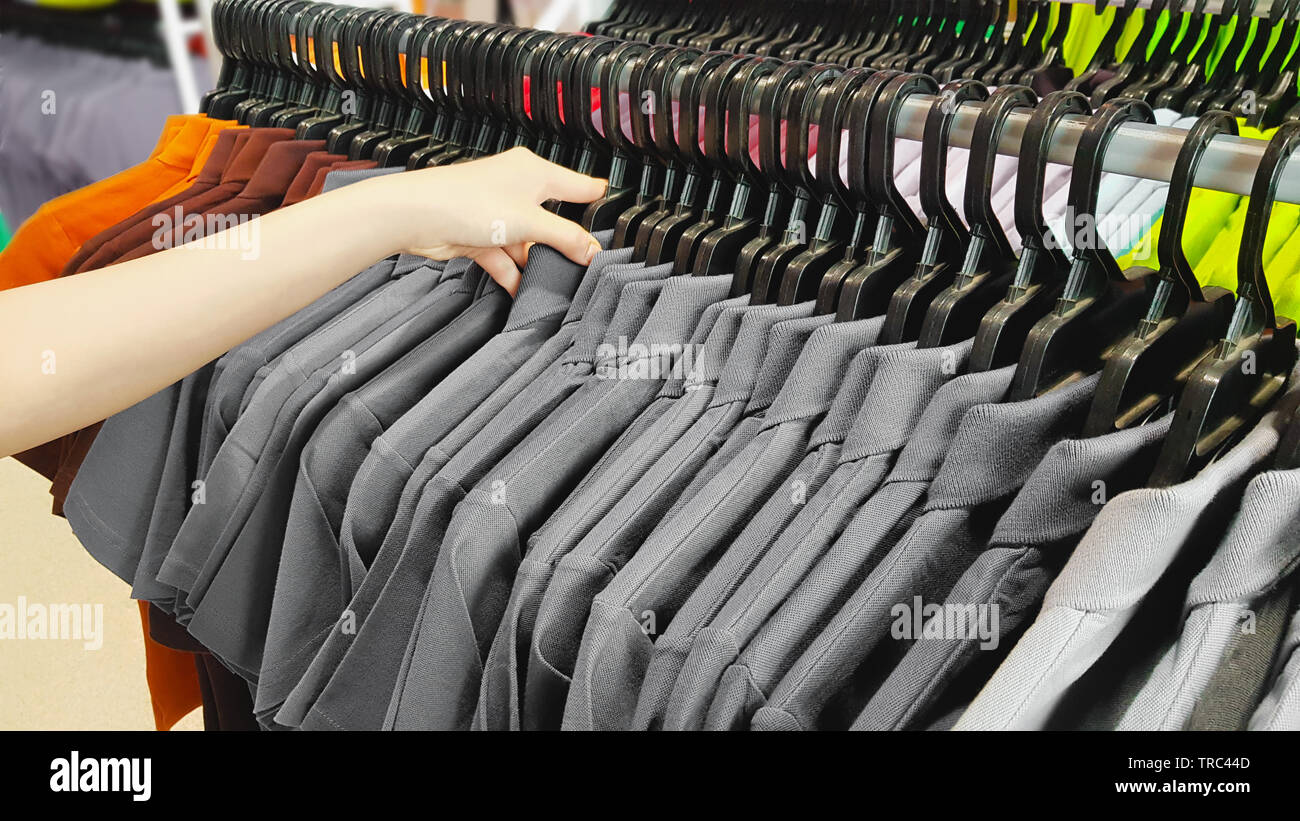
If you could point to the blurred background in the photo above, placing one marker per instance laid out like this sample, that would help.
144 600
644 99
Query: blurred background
112 70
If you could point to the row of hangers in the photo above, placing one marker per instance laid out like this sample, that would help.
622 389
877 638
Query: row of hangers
1164 63
692 190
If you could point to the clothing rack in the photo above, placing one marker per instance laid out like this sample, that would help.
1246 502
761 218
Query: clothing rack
1140 150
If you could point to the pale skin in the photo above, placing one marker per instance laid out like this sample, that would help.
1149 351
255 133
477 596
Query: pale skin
79 349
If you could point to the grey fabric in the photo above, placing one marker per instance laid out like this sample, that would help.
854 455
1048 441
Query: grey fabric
403 264
230 376
553 294
1279 709
337 179
1239 683
642 599
701 644
751 543
680 401
125 502
483 544
995 449
1137 556
940 674
376 655
1227 611
312 587
234 465
573 580
816 594
230 597
500 697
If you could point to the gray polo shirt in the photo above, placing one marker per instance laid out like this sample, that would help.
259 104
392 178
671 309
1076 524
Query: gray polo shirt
738 559
996 447
480 553
546 294
230 597
642 442
233 468
311 587
1136 541
658 577
738 336
815 595
132 474
902 382
583 572
940 674
1248 582
384 494
373 659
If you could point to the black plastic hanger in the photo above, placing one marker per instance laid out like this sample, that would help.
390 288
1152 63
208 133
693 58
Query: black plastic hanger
1183 322
803 275
717 250
1099 304
861 284
661 245
1232 388
770 266
990 263
1043 266
773 99
946 235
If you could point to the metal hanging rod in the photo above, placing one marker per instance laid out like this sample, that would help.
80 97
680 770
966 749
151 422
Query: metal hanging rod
1136 150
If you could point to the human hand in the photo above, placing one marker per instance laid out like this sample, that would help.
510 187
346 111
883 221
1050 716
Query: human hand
490 210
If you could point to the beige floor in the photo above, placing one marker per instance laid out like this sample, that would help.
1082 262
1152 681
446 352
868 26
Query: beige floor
60 684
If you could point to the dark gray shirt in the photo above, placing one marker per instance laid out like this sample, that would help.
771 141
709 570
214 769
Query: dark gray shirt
940 673
481 551
996 447
681 550
374 658
311 588
901 382
820 592
581 573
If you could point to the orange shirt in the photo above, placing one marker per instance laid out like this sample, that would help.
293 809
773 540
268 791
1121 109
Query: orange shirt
45 242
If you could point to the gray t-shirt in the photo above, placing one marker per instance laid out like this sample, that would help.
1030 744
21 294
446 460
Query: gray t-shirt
996 448
815 595
739 337
1143 541
902 381
483 544
621 301
230 597
585 570
311 588
616 643
940 673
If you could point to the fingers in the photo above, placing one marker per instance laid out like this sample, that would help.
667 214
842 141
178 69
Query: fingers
501 267
569 238
518 251
560 183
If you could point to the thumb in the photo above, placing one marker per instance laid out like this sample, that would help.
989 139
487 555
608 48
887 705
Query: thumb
560 183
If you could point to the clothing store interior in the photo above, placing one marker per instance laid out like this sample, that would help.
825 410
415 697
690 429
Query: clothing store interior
937 371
